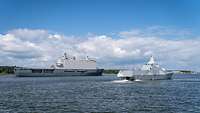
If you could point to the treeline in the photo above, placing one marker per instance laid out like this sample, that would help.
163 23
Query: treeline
186 71
182 71
7 69
110 71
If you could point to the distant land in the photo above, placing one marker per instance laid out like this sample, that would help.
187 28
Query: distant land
4 70
183 71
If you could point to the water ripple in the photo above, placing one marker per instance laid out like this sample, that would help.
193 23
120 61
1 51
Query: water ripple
98 94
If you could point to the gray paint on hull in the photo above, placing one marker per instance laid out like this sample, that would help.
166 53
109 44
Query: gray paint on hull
58 72
149 77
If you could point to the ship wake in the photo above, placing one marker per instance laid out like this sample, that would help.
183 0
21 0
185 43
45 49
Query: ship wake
125 81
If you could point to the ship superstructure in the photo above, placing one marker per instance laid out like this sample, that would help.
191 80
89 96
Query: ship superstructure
72 62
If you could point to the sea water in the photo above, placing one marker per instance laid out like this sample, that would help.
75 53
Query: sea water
99 94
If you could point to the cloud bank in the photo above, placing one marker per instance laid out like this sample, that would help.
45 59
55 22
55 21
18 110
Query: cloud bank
37 47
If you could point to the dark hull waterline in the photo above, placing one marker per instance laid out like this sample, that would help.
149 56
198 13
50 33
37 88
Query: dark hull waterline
149 77
57 72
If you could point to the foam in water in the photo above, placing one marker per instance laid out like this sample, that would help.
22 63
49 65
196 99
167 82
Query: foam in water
120 81
125 81
138 80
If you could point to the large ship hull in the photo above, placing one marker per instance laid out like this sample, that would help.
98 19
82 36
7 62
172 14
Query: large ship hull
29 72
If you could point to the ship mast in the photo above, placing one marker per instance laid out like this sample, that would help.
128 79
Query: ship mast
151 61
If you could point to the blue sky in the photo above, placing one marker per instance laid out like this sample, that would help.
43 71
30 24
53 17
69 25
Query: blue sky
78 17
118 33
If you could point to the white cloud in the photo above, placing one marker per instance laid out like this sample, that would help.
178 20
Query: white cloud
158 31
27 47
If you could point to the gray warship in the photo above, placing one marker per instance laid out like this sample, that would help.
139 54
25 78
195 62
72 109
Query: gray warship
65 66
149 71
